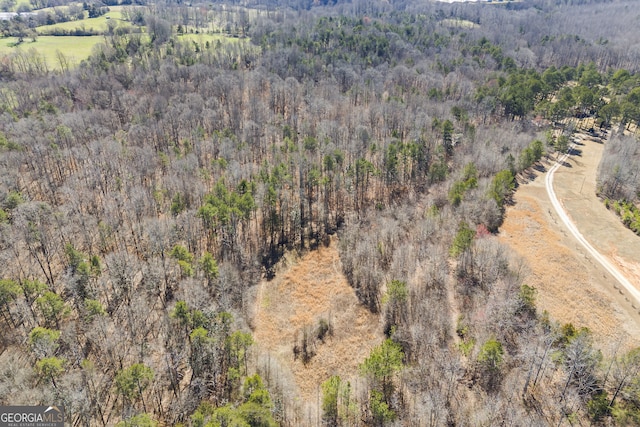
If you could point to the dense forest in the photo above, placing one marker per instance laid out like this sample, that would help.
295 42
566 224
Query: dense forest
144 193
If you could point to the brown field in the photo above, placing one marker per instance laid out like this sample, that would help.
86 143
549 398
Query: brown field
572 286
307 290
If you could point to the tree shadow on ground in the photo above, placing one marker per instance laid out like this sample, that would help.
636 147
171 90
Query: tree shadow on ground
527 176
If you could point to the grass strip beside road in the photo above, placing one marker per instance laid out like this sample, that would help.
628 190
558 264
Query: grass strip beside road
629 287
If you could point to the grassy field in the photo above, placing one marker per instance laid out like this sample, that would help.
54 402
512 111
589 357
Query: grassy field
52 9
75 49
95 24
458 23
78 48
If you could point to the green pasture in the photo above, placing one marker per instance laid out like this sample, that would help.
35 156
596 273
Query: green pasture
75 49
52 9
78 48
96 24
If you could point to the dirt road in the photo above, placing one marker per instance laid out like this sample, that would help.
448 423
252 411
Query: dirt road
572 284
628 287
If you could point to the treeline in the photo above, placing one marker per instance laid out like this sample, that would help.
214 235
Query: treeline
618 179
78 32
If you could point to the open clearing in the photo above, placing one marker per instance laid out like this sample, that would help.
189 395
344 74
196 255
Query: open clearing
75 49
88 24
458 23
78 48
307 290
572 286
604 261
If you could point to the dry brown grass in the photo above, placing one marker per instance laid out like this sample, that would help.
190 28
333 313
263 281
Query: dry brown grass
313 288
556 272
571 286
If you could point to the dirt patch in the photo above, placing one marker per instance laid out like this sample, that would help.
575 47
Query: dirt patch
311 289
628 268
572 286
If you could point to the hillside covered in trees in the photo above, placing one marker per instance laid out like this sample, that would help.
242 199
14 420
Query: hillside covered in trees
145 192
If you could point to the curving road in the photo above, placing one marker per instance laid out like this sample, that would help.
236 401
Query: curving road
633 292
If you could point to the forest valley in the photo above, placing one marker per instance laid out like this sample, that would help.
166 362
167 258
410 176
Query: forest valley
144 193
